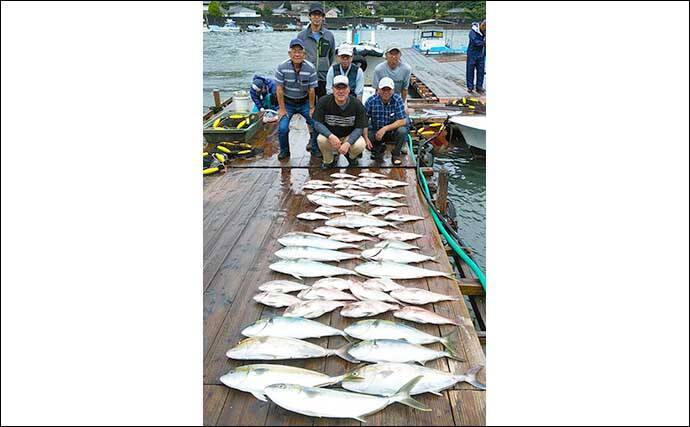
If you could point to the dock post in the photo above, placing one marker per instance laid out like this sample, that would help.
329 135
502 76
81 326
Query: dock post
442 194
216 98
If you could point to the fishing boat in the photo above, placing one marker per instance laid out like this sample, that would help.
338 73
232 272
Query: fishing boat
434 42
382 27
263 27
229 27
363 47
473 129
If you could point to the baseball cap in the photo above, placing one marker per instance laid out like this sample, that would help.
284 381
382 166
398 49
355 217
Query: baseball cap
394 47
258 85
297 42
345 49
340 80
316 7
386 82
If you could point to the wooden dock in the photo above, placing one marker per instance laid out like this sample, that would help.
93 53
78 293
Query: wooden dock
246 209
444 76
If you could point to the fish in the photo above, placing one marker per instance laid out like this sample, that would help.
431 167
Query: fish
330 201
350 237
312 216
282 286
342 181
420 315
290 327
325 293
307 268
351 193
395 244
357 213
372 231
351 186
399 235
312 309
254 378
323 402
279 348
329 210
390 203
402 217
357 221
371 175
364 294
381 210
389 195
395 270
318 182
300 233
276 299
387 350
314 254
363 198
333 283
330 231
383 379
315 241
371 185
395 255
376 329
315 187
392 183
366 308
325 194
420 296
383 284
343 176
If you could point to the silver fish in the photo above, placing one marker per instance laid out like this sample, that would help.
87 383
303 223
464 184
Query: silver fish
254 378
371 175
350 237
282 286
322 402
402 217
420 315
325 194
300 233
420 296
356 221
342 181
395 270
382 284
372 231
290 327
279 348
372 185
389 195
333 283
364 294
314 241
330 231
392 183
325 293
312 216
314 254
312 309
381 210
363 198
376 329
329 210
386 350
395 255
315 187
399 235
306 268
330 201
343 176
386 202
383 379
366 308
276 299
318 182
352 193
395 244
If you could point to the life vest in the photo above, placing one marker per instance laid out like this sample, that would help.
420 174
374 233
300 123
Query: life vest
351 76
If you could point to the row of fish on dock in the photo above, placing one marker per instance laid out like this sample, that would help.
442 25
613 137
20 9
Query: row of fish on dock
396 350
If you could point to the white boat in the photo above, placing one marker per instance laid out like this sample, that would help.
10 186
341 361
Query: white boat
229 27
263 27
291 27
382 27
364 48
473 129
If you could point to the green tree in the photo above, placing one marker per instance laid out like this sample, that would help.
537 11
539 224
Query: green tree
266 11
214 9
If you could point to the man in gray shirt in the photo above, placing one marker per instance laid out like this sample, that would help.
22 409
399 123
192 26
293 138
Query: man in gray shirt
398 72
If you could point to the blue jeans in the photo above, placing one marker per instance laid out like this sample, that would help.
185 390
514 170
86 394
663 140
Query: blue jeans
399 136
284 125
472 65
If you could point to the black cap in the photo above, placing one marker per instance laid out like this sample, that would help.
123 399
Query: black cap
316 7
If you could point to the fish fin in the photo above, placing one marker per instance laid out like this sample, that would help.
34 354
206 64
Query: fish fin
343 354
453 354
403 395
395 224
361 420
435 392
451 277
445 340
260 396
470 377
421 362
297 277
433 259
331 381
347 337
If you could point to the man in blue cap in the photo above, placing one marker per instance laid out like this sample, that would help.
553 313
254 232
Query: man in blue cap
296 83
476 54
263 93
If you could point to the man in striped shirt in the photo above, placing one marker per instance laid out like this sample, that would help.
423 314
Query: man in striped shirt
296 82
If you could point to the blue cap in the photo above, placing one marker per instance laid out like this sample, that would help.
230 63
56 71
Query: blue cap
297 42
258 85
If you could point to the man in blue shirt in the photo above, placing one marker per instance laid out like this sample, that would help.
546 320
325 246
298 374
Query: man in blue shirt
263 93
476 54
386 111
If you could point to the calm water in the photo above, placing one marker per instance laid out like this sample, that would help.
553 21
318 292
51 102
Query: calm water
230 61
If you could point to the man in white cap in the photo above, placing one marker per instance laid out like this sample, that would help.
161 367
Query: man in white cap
354 74
340 122
394 69
386 111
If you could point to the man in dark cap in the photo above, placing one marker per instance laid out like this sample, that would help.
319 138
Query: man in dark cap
476 54
263 93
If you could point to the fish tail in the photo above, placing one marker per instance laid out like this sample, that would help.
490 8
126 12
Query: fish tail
342 352
471 377
453 353
445 340
403 395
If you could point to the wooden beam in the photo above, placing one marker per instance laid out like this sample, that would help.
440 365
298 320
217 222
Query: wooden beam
471 287
442 194
216 98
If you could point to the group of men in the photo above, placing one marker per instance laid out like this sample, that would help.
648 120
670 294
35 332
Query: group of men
328 95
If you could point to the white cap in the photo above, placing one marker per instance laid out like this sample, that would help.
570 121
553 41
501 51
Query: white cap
393 47
386 82
340 79
345 49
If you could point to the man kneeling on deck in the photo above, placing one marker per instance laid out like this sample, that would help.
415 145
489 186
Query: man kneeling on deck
340 121
388 122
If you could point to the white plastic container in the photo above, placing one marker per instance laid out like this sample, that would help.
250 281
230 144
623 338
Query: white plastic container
241 102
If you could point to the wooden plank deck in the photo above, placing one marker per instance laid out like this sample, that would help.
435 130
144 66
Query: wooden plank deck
245 211
446 79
